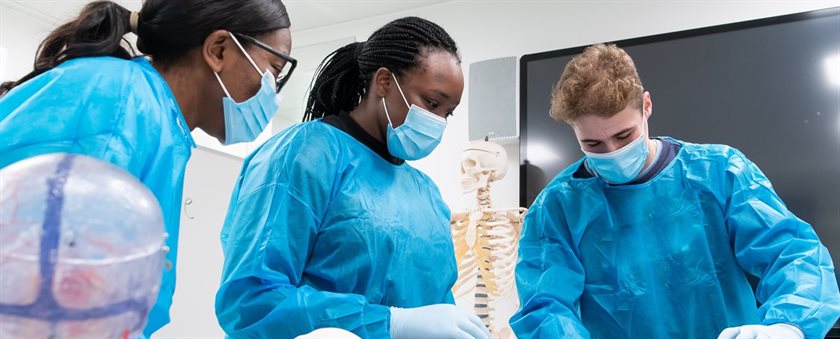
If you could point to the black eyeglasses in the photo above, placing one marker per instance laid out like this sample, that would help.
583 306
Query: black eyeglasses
288 68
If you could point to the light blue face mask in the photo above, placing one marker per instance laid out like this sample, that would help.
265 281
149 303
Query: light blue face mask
244 121
419 134
623 165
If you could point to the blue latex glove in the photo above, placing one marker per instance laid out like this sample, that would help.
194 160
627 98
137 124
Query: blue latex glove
436 321
775 331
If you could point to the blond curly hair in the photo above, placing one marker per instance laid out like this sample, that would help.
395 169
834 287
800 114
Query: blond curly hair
601 81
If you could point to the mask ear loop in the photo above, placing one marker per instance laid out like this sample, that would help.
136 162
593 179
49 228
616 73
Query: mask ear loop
423 112
386 112
400 89
386 106
223 85
235 40
644 116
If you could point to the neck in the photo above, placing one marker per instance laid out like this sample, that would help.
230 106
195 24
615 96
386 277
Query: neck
368 116
483 198
186 95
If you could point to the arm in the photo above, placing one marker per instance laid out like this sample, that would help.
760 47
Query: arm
268 235
549 278
797 280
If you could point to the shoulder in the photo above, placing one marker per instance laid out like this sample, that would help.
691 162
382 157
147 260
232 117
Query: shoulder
714 156
563 183
718 167
298 154
98 76
709 151
307 142
87 96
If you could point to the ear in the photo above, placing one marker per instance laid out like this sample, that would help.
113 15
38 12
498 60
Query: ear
647 105
381 82
213 49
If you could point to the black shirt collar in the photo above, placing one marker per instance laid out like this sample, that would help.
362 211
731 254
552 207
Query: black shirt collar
344 122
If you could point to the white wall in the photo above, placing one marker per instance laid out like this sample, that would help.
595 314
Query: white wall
21 31
209 182
483 29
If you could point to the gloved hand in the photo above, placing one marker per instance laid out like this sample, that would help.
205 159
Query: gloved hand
436 321
775 331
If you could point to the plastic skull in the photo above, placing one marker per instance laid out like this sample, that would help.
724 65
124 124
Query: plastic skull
82 249
482 162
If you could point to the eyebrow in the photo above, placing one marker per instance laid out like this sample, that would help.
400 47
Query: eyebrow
626 130
439 92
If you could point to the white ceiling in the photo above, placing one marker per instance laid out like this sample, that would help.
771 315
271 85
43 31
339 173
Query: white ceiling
305 14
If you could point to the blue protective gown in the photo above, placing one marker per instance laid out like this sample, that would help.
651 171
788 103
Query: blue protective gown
323 232
666 258
119 111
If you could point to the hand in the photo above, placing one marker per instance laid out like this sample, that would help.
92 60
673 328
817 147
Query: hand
775 331
436 321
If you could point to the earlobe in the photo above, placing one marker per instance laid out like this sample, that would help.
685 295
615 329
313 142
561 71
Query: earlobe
213 49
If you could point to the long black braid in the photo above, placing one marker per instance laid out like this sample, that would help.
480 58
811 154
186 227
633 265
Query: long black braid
345 74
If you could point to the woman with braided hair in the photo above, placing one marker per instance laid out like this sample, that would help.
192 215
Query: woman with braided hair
328 225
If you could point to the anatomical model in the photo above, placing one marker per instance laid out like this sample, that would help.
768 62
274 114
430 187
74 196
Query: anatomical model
486 241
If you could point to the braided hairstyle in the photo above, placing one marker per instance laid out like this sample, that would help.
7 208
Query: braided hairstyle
343 78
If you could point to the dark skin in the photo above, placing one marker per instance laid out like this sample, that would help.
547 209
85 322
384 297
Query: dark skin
196 89
436 84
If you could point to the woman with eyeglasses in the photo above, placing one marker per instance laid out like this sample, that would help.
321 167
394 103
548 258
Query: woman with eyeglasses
329 226
215 65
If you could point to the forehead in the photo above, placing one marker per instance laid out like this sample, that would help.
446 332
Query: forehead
597 127
438 67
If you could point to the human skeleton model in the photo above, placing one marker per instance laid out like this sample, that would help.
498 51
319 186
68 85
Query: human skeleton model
486 241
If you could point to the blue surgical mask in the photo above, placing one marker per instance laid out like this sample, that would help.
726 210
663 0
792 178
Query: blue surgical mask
244 121
418 136
620 166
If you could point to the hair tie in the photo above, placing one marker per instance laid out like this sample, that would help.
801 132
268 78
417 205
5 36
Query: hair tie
133 19
358 50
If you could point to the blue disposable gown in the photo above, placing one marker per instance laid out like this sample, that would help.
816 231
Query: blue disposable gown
323 232
666 258
119 111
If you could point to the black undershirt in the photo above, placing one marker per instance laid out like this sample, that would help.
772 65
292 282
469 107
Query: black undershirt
344 122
